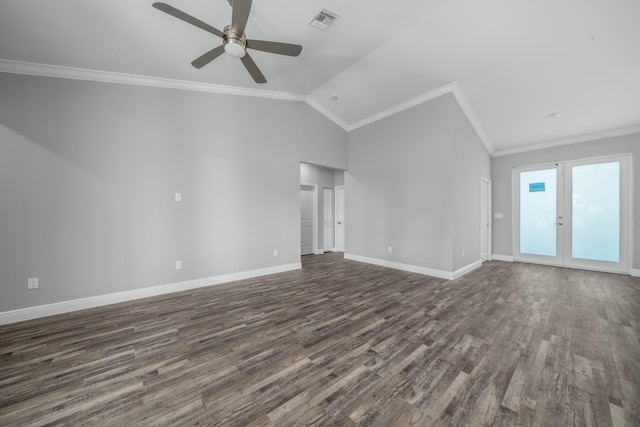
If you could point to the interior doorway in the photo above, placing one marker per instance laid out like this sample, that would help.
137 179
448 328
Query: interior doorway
325 181
308 193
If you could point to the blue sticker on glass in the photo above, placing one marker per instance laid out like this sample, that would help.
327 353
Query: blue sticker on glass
536 187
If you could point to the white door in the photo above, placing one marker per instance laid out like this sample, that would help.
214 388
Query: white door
485 219
328 219
306 223
339 222
539 217
597 212
574 214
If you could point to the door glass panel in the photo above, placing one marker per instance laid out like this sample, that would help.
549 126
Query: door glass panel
596 211
538 212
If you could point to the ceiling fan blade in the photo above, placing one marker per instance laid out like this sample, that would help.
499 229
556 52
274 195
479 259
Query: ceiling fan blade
240 15
275 47
208 57
187 18
253 69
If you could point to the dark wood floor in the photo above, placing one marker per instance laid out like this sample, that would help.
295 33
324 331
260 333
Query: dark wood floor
340 343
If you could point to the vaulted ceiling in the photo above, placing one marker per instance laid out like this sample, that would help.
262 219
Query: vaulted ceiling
510 63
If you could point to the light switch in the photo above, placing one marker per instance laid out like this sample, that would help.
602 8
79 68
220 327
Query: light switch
498 216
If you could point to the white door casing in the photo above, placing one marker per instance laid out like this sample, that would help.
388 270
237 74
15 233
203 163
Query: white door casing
485 219
340 219
308 225
306 229
327 240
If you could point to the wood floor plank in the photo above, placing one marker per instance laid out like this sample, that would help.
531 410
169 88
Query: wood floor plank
340 343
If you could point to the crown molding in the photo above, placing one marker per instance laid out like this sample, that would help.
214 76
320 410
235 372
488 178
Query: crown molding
453 88
473 119
325 112
568 141
73 73
404 106
56 71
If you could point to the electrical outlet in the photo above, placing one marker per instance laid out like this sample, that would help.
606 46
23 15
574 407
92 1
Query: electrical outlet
32 283
178 197
275 252
389 249
178 265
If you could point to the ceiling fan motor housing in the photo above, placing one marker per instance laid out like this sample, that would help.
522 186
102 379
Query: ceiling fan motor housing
234 44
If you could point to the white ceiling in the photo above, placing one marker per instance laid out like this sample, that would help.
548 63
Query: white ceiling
509 62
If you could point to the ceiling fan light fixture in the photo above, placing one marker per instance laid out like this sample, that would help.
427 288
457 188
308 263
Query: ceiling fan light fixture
234 44
234 48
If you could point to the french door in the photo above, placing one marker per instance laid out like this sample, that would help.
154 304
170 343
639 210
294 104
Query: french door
574 214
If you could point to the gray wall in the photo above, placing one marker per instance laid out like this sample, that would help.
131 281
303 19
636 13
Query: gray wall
88 173
323 178
402 188
471 162
502 168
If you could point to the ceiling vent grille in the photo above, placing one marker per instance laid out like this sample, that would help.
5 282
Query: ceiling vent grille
324 19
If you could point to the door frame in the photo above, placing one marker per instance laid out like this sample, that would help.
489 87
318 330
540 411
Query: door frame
564 209
335 217
314 218
489 219
330 223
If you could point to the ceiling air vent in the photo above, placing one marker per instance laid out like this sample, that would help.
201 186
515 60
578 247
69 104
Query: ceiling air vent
324 19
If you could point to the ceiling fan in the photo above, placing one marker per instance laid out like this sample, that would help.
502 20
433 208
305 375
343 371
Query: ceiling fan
234 40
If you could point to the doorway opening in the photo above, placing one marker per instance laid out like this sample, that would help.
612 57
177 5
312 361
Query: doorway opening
321 209
308 219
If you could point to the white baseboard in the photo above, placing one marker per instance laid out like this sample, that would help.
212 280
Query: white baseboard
466 269
319 252
634 272
404 267
497 257
100 300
